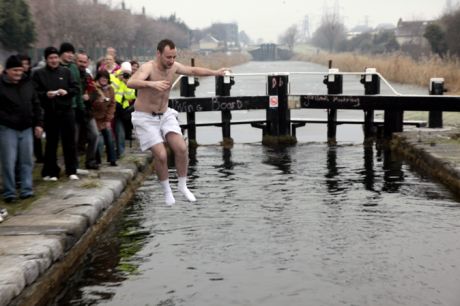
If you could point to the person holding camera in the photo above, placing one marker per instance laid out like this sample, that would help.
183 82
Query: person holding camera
124 98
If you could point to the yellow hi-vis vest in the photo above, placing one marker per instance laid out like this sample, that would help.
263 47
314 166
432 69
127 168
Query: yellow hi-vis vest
123 94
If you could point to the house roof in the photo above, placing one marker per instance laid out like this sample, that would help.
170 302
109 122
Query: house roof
411 28
210 38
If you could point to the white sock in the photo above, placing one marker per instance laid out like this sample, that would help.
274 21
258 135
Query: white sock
182 186
169 198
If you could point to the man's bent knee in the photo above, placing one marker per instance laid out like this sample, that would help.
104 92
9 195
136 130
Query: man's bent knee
159 153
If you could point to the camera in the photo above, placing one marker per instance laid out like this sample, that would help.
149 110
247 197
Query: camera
126 75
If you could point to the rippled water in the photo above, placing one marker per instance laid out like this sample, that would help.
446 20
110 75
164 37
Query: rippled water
307 225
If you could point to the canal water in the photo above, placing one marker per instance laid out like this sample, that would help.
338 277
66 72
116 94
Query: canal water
307 225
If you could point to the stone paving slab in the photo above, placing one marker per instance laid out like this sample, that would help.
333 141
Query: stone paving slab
19 271
71 226
124 174
8 292
88 206
51 247
23 259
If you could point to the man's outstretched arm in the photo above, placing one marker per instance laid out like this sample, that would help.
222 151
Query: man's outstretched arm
200 71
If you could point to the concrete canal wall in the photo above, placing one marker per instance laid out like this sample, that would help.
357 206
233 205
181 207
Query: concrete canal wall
435 152
43 245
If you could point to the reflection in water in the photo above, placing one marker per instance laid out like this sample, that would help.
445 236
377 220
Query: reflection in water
227 157
368 173
393 174
332 225
332 174
192 156
278 157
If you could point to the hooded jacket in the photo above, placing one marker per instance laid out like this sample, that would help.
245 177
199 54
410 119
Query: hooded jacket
19 105
103 105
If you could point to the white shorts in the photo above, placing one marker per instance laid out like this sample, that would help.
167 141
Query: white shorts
152 129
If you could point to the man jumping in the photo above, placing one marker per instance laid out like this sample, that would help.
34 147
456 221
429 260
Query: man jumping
154 122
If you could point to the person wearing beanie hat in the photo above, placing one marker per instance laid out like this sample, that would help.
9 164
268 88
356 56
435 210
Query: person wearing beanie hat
67 57
13 61
21 117
56 87
13 69
50 50
66 47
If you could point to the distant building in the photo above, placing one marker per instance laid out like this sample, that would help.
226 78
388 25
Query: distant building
358 30
411 32
209 43
227 33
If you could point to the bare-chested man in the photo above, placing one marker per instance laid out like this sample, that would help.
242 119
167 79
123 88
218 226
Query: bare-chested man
156 123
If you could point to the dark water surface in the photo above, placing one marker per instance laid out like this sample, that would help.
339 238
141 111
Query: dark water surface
307 225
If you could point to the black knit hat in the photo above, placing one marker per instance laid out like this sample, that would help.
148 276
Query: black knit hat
13 61
66 47
49 51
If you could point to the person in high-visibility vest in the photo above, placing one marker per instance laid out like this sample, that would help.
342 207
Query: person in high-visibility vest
124 97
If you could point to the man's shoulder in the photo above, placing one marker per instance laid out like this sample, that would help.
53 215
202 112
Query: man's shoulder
41 73
148 65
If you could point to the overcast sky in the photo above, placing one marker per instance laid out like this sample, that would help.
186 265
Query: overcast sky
271 19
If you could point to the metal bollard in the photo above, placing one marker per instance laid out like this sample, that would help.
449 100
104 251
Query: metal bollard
435 117
334 83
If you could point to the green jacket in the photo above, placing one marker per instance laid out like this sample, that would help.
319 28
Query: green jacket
77 100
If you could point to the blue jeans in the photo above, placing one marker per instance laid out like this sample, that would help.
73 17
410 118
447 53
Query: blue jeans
105 138
16 146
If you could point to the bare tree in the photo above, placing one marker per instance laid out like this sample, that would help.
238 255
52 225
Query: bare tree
452 34
330 32
88 24
289 37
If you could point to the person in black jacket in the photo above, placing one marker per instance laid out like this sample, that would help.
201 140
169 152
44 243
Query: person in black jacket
55 88
27 65
20 111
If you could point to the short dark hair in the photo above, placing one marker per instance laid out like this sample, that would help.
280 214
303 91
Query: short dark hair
102 74
134 62
82 52
25 57
165 42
